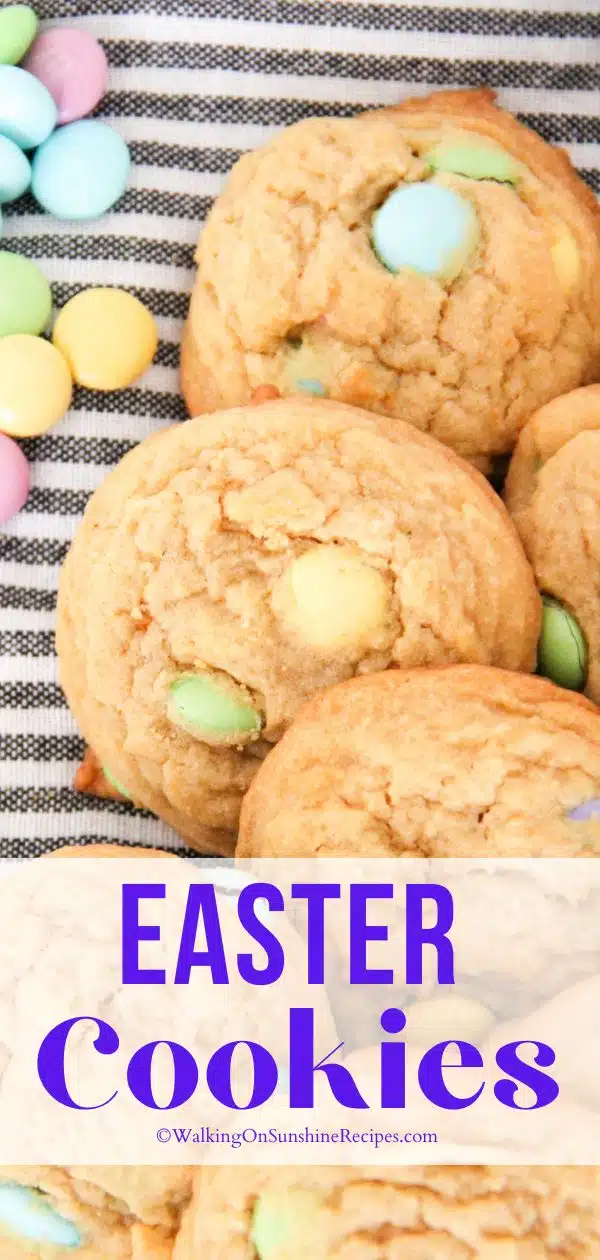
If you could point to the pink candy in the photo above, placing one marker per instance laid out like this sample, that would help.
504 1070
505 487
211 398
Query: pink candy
14 478
72 66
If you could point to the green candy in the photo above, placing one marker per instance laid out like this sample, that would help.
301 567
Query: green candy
25 296
212 707
562 649
18 25
115 783
474 161
285 1226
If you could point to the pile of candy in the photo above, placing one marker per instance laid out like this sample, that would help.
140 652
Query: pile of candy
103 338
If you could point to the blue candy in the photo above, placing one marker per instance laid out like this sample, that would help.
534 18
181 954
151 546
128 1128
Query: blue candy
310 385
27 110
283 1080
81 170
426 227
589 809
15 171
27 1214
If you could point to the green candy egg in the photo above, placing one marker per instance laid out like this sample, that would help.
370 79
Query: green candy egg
562 649
115 783
25 296
285 1226
475 161
18 25
212 707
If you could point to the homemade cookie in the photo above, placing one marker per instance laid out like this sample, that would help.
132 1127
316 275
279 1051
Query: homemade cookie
232 566
566 1131
436 262
92 780
121 1212
97 1213
553 493
458 762
109 1213
382 1213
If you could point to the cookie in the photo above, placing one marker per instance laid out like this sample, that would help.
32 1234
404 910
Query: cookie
95 1213
126 1211
566 1131
456 762
231 567
111 1213
436 262
92 780
383 1213
120 1212
553 493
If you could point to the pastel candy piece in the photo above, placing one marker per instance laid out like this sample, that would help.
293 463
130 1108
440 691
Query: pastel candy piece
213 708
565 257
28 1214
115 783
562 649
35 385
14 478
426 227
72 65
18 25
474 160
306 368
27 111
81 170
283 1080
445 1019
107 336
310 385
329 598
589 809
285 1225
15 171
25 296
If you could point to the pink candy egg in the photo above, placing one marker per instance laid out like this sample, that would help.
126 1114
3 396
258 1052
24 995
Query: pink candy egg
14 478
72 66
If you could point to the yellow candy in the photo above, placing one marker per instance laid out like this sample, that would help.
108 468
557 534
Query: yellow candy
565 257
35 385
442 1018
330 599
107 336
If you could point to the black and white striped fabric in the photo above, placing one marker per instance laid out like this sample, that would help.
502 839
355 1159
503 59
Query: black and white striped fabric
193 83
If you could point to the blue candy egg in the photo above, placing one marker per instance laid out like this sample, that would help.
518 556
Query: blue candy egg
27 110
583 813
426 227
28 1214
81 170
310 385
15 171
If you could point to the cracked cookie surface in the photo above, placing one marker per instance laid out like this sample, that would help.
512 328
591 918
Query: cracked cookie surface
232 566
98 1213
290 292
553 494
413 1213
456 762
